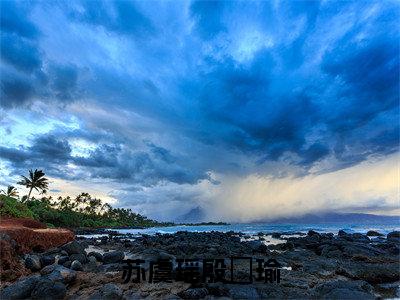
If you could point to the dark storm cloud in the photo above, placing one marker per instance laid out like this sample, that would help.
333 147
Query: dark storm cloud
116 162
298 82
16 90
27 74
20 52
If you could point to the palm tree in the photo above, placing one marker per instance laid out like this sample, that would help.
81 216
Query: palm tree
11 191
35 181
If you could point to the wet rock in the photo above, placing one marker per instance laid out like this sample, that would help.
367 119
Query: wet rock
371 273
67 264
84 244
358 237
33 263
351 249
342 289
193 293
73 247
113 257
97 255
76 265
330 251
81 257
47 260
52 251
111 291
49 290
59 273
243 292
374 233
393 236
91 266
276 235
312 232
254 245
62 260
22 289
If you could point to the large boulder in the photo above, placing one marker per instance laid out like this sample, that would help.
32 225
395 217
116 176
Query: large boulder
33 262
371 273
113 257
81 257
374 233
21 289
48 290
73 247
59 273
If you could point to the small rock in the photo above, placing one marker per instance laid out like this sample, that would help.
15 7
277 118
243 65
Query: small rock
276 235
312 232
97 255
113 257
343 289
62 260
67 264
52 251
47 260
76 265
84 244
374 233
33 263
342 233
193 293
81 257
393 236
47 289
111 291
243 292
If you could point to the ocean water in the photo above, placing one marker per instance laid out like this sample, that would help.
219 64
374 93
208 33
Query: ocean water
269 228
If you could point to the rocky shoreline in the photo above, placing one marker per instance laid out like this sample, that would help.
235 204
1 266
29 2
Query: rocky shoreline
314 265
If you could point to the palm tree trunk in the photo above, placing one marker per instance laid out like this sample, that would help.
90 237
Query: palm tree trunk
29 194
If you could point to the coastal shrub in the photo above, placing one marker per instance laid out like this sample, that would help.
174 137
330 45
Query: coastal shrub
13 208
66 213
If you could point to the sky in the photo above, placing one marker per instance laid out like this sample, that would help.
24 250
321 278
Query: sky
248 110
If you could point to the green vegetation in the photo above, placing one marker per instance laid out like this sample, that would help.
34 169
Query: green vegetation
13 208
81 211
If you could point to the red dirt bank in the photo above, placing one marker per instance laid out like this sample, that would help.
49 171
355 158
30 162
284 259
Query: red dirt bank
20 236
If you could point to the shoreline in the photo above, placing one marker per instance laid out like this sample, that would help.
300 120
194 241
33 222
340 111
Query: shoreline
314 265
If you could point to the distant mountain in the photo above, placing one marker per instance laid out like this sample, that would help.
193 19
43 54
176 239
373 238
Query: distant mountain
195 215
336 218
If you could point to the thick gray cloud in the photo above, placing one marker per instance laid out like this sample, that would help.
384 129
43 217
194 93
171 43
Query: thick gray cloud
169 94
